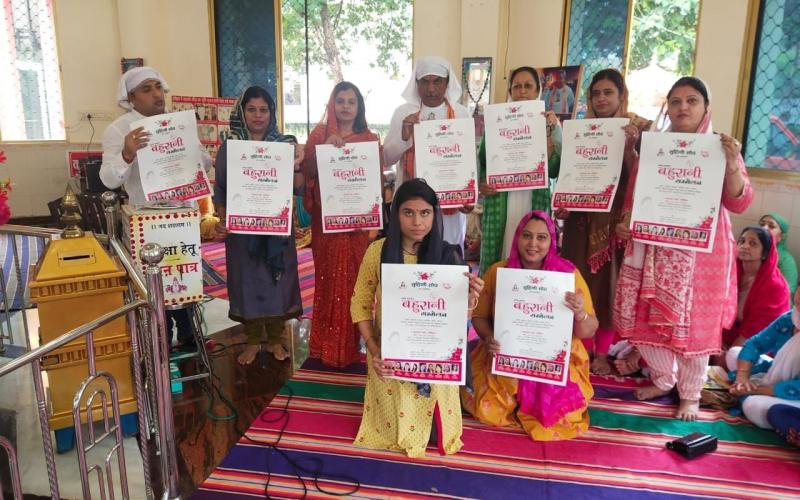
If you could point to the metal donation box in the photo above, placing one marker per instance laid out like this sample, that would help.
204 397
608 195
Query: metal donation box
75 282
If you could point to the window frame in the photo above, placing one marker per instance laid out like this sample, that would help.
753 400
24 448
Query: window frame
65 140
212 29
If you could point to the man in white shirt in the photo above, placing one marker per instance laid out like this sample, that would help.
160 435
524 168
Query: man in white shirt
431 94
141 91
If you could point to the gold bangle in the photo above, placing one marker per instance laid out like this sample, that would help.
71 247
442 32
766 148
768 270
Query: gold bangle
472 308
585 317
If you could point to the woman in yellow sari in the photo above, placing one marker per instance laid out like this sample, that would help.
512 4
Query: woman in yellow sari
547 412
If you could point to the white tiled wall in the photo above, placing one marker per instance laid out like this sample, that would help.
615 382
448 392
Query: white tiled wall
774 195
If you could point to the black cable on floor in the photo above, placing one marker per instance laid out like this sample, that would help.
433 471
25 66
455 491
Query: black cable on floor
316 472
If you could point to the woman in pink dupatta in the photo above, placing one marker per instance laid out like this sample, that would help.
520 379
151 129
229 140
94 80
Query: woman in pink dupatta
547 412
673 304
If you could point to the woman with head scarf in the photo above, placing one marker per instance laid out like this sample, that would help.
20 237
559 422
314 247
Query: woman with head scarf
400 415
263 285
673 304
501 210
589 239
547 412
779 228
334 338
763 293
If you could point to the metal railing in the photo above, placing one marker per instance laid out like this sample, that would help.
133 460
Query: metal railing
98 393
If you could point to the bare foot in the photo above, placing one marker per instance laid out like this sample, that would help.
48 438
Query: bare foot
278 351
249 354
600 365
629 364
650 392
688 410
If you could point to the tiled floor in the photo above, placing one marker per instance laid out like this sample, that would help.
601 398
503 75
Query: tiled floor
205 426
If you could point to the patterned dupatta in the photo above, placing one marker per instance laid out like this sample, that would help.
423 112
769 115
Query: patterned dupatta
602 237
547 403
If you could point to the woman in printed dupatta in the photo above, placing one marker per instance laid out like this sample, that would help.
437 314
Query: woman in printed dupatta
547 412
263 285
589 239
334 337
502 210
673 304
400 415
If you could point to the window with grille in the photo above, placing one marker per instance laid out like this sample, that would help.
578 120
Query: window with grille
30 89
660 35
366 42
596 38
246 46
772 124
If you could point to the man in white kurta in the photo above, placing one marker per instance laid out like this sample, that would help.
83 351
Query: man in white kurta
141 91
431 94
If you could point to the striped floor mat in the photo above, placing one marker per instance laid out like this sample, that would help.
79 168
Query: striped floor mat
621 456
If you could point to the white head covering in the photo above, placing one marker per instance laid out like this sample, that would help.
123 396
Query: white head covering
436 66
132 79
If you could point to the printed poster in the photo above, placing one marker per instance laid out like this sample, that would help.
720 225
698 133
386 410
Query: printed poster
533 325
516 146
424 321
171 165
678 190
445 157
350 187
260 187
591 164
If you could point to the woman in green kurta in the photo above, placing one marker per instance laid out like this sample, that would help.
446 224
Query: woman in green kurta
502 211
779 228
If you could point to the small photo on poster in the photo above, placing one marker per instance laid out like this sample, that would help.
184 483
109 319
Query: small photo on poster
182 106
224 113
207 132
561 87
224 132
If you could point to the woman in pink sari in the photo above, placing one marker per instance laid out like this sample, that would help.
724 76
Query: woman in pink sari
673 304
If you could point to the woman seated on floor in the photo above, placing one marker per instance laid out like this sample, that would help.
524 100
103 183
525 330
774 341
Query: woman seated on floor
547 412
769 381
779 228
399 415
763 292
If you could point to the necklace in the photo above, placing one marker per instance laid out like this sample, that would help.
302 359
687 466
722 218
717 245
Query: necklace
408 253
483 87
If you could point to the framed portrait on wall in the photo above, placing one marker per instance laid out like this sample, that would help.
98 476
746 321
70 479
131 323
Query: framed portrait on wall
131 62
561 87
